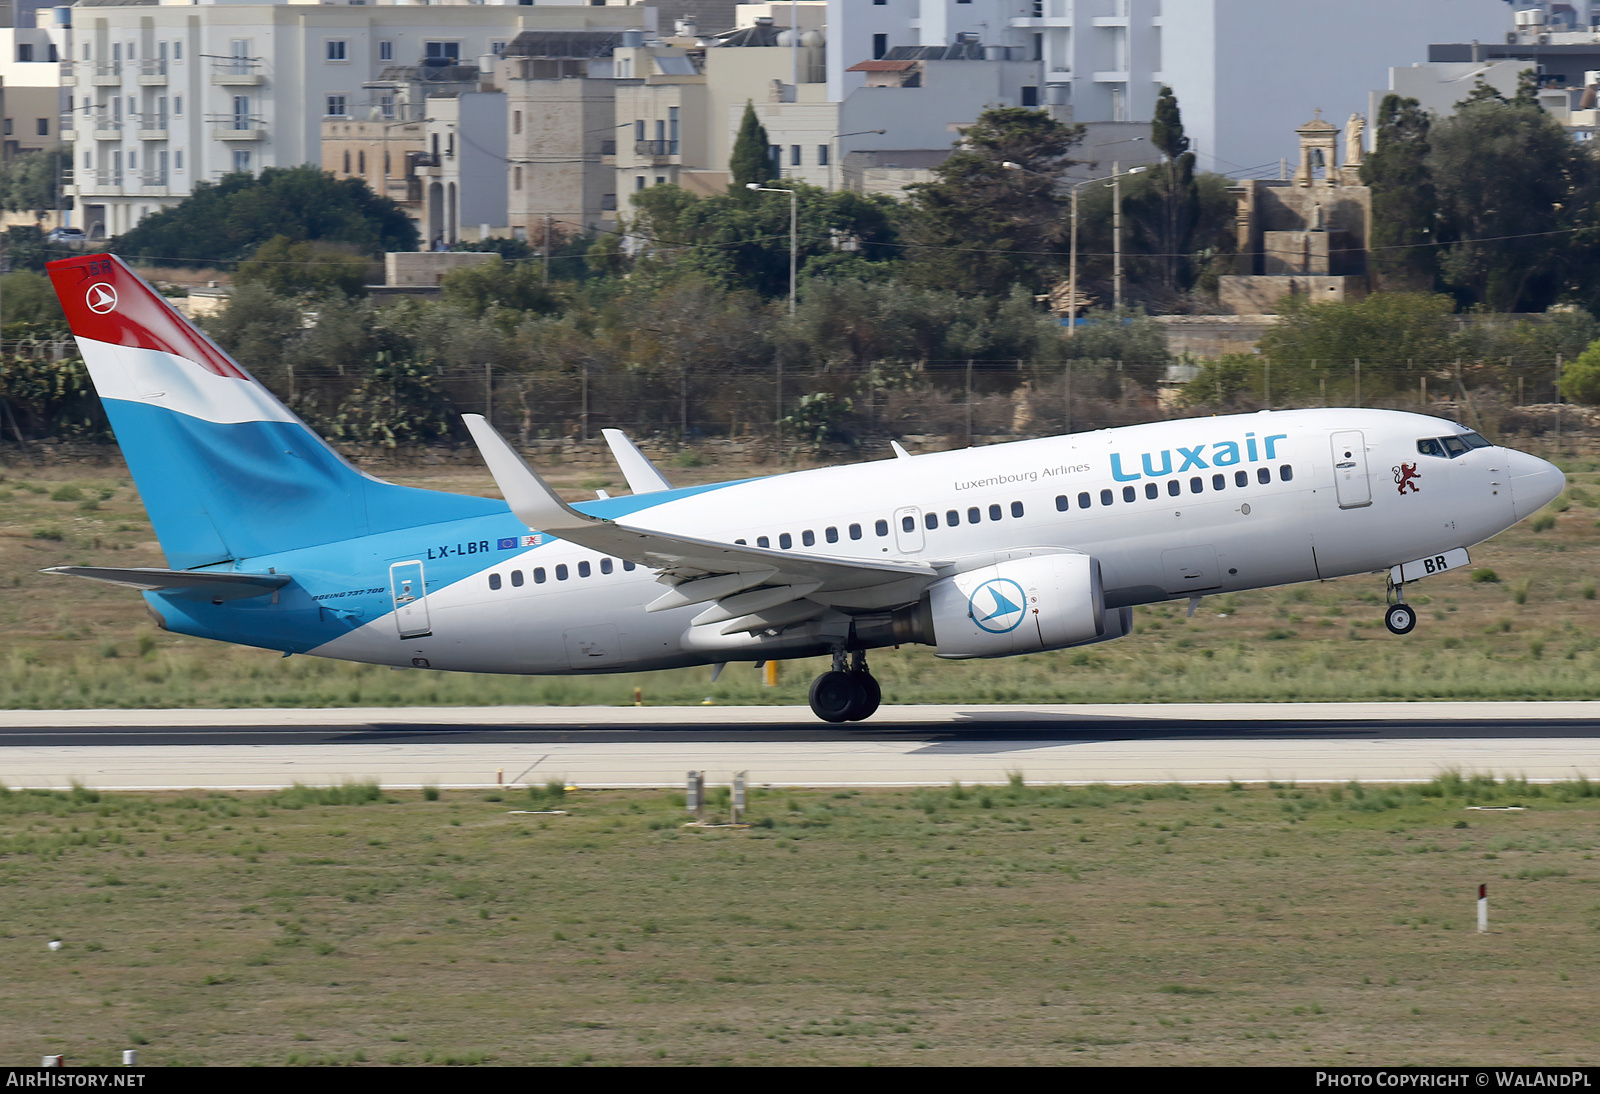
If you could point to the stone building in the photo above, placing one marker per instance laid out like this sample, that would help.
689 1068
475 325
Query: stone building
1305 236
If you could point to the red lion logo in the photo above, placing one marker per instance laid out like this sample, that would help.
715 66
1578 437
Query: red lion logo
1406 476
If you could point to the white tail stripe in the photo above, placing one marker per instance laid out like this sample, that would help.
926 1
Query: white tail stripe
163 379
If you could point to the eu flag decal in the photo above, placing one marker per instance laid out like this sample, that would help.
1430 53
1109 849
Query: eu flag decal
508 544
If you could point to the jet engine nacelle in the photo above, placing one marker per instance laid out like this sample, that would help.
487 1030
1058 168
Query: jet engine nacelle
1021 605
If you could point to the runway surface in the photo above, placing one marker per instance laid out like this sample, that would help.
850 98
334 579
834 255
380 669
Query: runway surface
787 746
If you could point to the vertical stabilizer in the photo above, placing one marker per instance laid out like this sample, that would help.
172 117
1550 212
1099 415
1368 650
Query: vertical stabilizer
225 470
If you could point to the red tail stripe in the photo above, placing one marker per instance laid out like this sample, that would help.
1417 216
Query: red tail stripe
131 314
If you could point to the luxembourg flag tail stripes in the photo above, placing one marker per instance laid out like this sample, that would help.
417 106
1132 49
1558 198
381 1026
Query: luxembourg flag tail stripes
225 470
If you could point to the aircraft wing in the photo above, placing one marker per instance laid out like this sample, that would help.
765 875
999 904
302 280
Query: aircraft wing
747 588
642 475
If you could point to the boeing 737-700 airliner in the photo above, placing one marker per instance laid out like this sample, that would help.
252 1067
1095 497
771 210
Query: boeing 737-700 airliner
275 541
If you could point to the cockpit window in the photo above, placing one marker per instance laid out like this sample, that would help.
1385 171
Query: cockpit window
1453 445
1475 441
1429 446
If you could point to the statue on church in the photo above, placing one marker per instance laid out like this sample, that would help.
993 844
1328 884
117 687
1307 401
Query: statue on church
1355 132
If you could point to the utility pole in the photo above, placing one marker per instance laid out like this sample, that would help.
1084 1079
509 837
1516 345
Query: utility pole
1116 238
547 248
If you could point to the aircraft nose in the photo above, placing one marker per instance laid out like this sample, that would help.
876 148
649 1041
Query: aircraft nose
1534 483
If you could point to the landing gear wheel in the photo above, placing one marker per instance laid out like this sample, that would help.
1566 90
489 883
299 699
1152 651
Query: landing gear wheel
834 696
1400 619
867 696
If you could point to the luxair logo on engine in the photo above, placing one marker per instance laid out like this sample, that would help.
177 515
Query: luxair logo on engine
998 605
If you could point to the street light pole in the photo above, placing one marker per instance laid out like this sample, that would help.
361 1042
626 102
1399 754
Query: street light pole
839 151
794 222
1072 267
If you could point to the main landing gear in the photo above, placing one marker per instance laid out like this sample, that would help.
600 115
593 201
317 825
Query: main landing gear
1400 617
847 693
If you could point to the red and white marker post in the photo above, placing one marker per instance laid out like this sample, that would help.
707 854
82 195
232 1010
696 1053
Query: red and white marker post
1483 909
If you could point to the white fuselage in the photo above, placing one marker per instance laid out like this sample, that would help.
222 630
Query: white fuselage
1241 502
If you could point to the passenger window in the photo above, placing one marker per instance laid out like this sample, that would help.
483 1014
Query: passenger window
494 581
1083 500
994 512
881 527
1174 488
627 565
538 575
1240 478
1219 482
763 541
1196 485
930 520
1286 473
952 518
833 535
1430 446
855 531
808 538
974 515
1016 508
1129 493
561 572
785 540
741 543
1105 497
1454 445
605 565
1062 504
908 524
516 578
1151 490
1263 475
583 569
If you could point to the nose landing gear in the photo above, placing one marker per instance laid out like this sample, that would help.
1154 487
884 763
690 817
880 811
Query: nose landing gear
1399 617
848 692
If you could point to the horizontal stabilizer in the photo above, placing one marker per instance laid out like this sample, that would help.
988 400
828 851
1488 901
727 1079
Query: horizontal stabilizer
193 584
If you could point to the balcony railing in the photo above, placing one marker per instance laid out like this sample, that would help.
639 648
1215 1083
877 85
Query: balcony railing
106 74
153 128
152 178
236 72
153 73
104 128
237 127
655 149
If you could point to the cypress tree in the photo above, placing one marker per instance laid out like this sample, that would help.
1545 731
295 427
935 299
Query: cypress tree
1405 204
751 160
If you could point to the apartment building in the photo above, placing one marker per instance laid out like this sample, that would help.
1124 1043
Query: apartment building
165 95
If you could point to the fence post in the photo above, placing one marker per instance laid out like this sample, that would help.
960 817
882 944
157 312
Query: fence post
969 402
1558 406
488 392
584 414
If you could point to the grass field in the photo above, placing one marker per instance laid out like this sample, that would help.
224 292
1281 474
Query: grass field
1520 626
978 925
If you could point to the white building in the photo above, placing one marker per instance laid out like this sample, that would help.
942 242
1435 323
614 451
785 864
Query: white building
170 93
1246 72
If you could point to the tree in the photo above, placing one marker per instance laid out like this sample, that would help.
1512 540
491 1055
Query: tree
740 243
30 183
1166 211
500 286
288 268
227 220
1580 380
751 160
1512 187
1405 204
980 227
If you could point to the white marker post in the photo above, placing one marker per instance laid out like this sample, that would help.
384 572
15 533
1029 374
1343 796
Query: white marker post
695 793
738 795
1483 909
